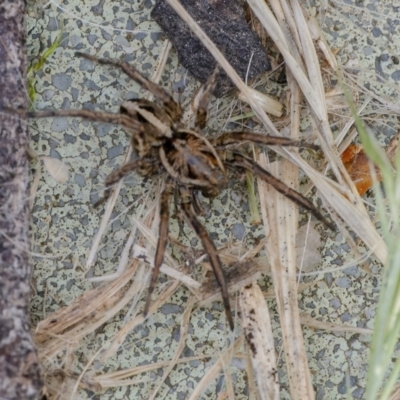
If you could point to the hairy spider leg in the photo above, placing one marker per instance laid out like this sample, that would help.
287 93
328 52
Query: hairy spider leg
210 249
162 239
172 108
96 116
248 164
232 138
198 209
204 98
117 175
178 214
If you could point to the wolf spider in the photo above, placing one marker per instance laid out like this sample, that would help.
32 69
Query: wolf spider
190 162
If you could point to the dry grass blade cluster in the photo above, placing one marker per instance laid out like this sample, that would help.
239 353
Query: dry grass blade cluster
299 40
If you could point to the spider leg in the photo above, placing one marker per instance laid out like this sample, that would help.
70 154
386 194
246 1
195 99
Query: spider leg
117 175
242 161
210 250
179 216
97 116
198 209
204 98
231 138
162 240
171 106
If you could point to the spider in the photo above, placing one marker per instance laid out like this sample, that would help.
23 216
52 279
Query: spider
190 162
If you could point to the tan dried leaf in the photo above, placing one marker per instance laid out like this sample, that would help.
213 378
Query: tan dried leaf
58 169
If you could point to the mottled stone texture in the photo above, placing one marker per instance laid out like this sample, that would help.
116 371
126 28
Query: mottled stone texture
20 376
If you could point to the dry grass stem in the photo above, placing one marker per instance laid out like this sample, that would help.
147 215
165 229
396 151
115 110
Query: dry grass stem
139 319
270 293
183 333
280 222
268 104
258 331
313 323
271 25
253 392
288 31
318 37
238 276
121 377
141 254
396 393
151 239
106 217
210 375
83 318
87 305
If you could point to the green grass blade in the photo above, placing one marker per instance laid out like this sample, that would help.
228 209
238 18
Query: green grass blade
38 65
253 202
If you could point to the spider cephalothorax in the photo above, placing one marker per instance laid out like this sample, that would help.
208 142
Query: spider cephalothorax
188 161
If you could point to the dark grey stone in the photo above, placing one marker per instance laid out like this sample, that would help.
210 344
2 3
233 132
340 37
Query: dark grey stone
61 81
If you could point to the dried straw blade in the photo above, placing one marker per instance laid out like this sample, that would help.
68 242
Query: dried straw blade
280 221
258 331
268 104
182 340
210 375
